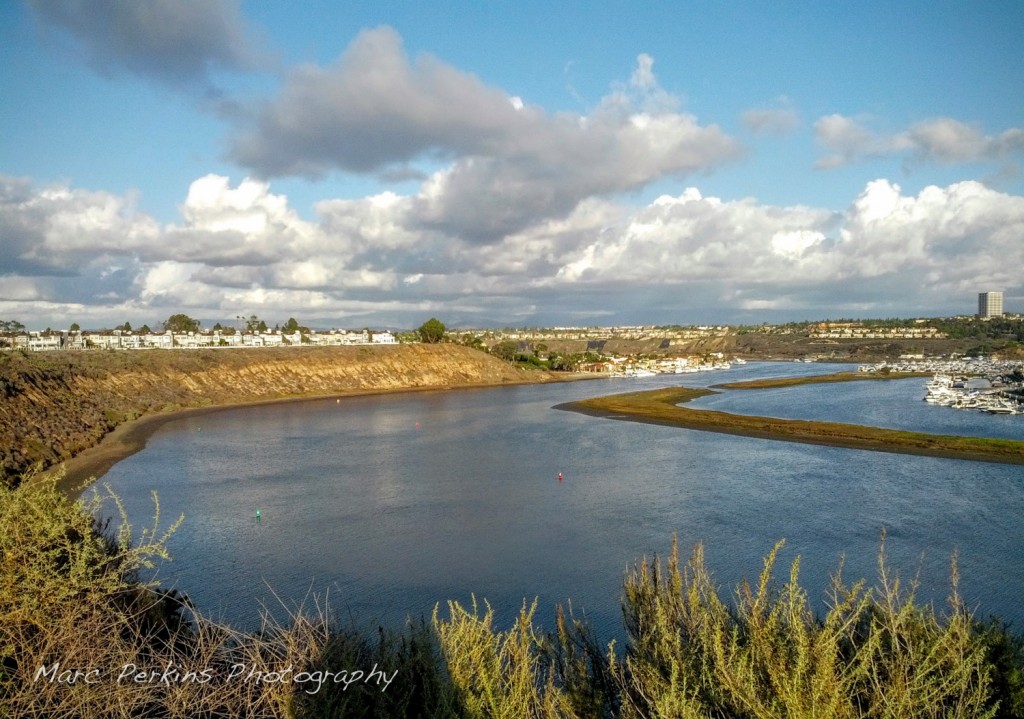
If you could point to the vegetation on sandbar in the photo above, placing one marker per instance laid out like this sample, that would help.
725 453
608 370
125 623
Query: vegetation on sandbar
660 406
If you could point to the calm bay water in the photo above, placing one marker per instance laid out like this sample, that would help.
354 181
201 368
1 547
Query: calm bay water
390 504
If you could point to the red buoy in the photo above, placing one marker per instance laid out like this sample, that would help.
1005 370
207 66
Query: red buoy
559 476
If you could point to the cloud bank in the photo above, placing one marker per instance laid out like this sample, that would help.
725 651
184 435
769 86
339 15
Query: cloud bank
240 249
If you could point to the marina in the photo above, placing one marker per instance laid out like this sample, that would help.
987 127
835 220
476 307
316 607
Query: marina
980 384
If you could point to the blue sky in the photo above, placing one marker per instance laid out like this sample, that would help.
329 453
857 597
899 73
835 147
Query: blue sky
354 164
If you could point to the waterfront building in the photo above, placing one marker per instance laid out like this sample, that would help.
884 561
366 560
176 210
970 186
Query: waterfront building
990 304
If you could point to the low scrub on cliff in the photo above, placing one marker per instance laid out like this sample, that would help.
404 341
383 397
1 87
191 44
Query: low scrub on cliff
82 636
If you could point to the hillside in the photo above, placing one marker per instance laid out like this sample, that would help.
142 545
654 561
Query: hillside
54 405
799 345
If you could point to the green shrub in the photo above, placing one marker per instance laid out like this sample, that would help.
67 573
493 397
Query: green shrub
876 653
498 675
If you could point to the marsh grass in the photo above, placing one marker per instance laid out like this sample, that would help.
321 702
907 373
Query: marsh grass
661 406
71 593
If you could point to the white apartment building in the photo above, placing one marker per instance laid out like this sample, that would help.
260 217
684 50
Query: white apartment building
990 304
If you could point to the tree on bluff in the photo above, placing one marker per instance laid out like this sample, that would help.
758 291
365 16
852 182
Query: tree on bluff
506 350
432 331
254 324
181 323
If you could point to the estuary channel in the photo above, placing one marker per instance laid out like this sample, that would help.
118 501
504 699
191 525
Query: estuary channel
390 504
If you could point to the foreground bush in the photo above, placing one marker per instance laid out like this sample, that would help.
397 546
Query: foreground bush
876 653
82 636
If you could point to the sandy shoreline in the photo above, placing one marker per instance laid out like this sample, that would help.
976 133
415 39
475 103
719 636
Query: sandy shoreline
126 439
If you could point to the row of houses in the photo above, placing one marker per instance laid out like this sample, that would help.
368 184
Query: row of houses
640 332
832 330
120 340
641 366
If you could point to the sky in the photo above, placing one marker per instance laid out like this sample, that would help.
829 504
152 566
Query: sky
375 164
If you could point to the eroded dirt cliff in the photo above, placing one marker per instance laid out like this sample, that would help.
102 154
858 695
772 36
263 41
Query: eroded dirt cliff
55 405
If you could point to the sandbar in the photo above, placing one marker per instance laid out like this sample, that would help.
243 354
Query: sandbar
660 407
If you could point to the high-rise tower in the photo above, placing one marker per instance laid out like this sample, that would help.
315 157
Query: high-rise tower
990 304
